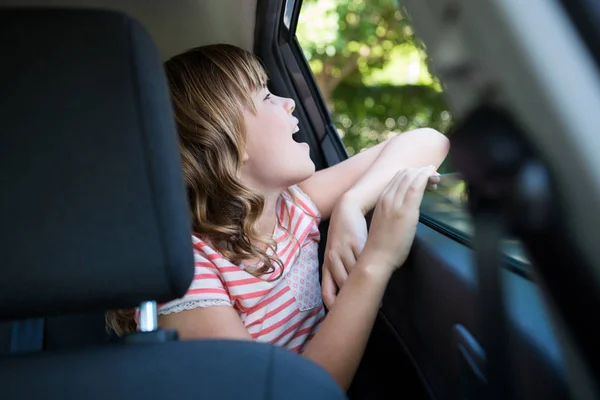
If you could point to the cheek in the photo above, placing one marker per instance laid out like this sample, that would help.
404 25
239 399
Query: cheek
269 145
264 136
253 136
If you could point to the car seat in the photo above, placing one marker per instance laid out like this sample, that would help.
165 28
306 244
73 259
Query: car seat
94 217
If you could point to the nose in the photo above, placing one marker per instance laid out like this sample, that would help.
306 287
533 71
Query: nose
289 105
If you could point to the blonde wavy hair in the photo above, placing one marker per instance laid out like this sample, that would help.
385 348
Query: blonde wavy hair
210 87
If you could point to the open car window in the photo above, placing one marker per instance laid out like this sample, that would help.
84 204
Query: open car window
372 72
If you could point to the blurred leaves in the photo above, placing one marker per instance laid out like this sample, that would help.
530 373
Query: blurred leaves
367 115
371 70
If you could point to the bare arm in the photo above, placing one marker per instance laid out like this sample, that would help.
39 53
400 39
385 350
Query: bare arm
337 346
367 173
221 322
340 342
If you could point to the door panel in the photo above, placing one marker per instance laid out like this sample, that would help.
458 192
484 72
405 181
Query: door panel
437 290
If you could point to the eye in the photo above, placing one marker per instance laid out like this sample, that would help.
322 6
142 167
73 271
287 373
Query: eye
268 96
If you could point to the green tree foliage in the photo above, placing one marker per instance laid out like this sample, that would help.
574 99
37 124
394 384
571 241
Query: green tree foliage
367 115
371 70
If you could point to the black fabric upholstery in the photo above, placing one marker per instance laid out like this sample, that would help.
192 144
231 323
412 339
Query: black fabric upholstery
5 336
72 331
94 216
210 369
93 208
76 331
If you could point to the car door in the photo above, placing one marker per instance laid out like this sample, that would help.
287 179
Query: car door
359 73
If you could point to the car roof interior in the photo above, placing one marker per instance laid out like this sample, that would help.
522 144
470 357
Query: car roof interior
179 25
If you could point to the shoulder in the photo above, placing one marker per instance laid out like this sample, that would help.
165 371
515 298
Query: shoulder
298 215
206 256
294 196
208 288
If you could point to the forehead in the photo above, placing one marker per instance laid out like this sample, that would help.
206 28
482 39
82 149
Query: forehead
260 92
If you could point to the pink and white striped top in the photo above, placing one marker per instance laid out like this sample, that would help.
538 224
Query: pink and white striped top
286 311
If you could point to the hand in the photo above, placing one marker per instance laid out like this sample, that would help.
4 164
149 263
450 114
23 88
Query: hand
395 218
432 183
346 239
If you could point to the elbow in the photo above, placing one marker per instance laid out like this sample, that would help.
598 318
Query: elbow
433 144
437 144
436 138
442 144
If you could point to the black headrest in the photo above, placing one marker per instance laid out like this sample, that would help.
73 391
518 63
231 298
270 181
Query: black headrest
93 212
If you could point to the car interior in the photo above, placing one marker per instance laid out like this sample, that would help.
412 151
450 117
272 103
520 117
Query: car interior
94 211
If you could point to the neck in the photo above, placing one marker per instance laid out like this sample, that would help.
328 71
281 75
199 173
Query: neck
268 218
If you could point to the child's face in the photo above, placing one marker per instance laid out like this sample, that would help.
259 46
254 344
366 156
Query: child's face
274 160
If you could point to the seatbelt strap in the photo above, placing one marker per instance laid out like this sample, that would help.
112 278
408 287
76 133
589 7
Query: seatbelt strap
27 335
489 151
490 230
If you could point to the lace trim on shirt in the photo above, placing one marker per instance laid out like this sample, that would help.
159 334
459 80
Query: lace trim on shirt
190 305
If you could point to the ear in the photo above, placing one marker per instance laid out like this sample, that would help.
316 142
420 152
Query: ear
245 157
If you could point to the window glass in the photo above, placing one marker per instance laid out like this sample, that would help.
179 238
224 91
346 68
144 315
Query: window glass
372 72
287 14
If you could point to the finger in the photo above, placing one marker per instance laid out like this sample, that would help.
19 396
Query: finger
404 185
435 178
393 183
337 269
432 187
414 196
328 289
348 259
392 188
432 183
357 247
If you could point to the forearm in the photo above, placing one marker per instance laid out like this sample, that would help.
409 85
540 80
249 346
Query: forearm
412 149
340 342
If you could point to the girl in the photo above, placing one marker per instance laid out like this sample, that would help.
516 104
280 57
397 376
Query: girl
256 203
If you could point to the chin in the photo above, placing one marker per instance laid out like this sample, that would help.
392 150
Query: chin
310 170
302 174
